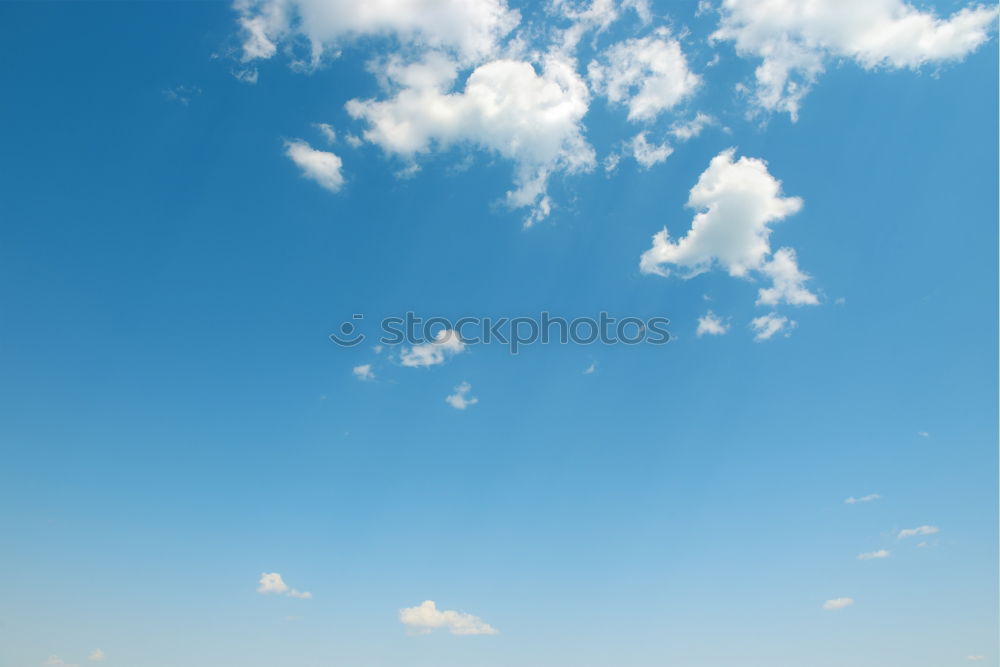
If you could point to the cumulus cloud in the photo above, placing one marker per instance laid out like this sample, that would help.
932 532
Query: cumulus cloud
710 324
796 40
327 131
766 326
272 584
737 201
320 166
919 530
648 154
461 399
446 343
506 107
426 617
364 372
689 129
863 499
471 29
649 75
97 655
838 603
872 555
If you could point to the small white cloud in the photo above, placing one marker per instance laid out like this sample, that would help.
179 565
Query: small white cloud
247 75
863 499
97 655
427 617
445 344
320 166
364 372
872 555
353 141
923 434
272 584
975 658
461 399
56 661
710 324
838 603
919 530
766 326
648 154
591 369
182 94
327 131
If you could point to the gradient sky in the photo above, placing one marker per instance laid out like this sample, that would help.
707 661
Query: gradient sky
175 422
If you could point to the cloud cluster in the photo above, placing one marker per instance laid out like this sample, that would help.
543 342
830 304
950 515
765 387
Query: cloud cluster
795 40
507 107
272 584
471 29
426 617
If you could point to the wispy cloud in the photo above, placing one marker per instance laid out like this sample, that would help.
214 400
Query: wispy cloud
919 530
863 499
871 555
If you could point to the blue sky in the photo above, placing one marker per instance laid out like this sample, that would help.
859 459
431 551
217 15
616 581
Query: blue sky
179 238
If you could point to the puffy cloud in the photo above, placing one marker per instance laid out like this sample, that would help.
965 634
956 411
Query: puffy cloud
872 555
736 200
649 75
506 107
919 530
327 131
97 655
320 166
426 617
445 344
838 603
766 326
710 324
364 372
272 584
461 399
471 29
795 40
863 499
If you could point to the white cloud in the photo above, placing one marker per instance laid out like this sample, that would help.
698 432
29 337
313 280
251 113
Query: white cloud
97 655
461 399
273 584
975 658
766 326
471 29
710 324
56 661
919 530
923 434
327 131
427 617
684 130
445 344
736 200
872 555
838 603
648 75
648 154
182 94
863 499
591 369
320 166
364 372
506 107
795 40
